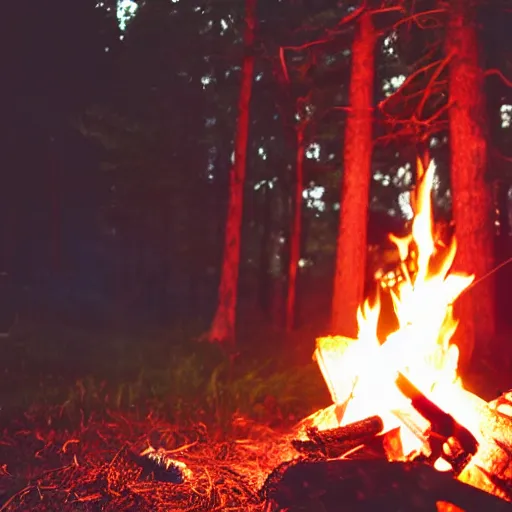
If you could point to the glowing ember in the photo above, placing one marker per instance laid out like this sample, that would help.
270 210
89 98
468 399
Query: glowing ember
361 373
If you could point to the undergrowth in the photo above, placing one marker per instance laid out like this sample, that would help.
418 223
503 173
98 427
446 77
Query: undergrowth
167 373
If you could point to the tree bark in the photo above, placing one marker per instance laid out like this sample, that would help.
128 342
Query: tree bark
472 194
295 235
357 155
502 190
223 325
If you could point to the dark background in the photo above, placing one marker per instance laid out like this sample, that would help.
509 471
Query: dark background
114 156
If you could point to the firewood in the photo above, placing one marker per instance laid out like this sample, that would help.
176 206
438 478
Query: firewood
337 441
449 439
353 431
368 485
417 425
491 467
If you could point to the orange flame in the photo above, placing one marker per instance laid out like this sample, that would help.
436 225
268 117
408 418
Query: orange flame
361 373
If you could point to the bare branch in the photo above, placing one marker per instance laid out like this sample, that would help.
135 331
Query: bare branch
284 67
408 80
497 153
500 75
433 78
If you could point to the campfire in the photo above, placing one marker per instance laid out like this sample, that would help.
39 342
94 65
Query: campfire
404 394
362 374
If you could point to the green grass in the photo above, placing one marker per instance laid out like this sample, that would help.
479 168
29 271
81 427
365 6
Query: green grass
271 380
165 372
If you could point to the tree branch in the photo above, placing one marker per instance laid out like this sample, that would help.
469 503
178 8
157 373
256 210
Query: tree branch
500 75
433 78
408 80
284 67
417 18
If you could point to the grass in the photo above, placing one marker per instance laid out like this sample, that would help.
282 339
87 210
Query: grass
76 405
98 467
162 371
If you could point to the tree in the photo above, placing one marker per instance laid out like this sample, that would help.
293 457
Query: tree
472 195
223 325
59 65
296 228
351 241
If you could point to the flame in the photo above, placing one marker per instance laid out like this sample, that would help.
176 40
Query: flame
361 373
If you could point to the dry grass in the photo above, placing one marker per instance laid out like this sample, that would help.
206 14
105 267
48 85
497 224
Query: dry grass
93 468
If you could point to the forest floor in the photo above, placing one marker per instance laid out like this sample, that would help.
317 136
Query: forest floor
77 409
97 466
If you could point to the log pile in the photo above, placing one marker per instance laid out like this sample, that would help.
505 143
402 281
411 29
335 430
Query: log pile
357 467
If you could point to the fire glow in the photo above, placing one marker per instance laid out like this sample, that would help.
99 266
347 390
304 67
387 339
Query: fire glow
361 373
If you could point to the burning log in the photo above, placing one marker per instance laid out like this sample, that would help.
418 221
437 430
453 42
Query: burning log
335 442
491 467
448 439
368 485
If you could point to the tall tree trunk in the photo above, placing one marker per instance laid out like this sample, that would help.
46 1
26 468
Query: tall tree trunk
265 277
357 155
472 194
223 325
295 235
503 252
502 190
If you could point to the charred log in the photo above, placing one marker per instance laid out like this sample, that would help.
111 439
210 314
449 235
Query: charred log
368 485
353 431
335 442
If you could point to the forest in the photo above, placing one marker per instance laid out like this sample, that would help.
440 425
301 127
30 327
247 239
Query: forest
197 191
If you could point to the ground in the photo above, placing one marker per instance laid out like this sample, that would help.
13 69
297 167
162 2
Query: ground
78 408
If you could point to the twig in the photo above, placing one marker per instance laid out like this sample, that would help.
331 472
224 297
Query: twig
408 80
500 75
432 80
416 18
19 494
